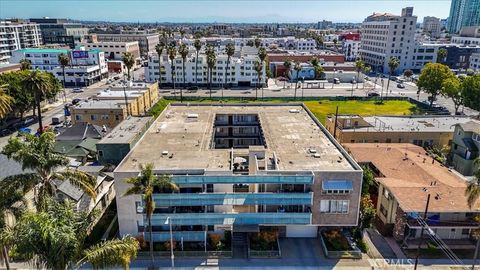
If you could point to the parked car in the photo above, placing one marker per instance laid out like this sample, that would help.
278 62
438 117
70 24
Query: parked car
24 130
336 80
373 94
6 131
77 90
192 88
75 101
29 120
58 119
400 85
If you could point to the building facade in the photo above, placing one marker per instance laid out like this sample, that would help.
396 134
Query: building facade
465 147
243 169
60 31
475 61
115 50
463 13
146 41
386 35
16 35
432 26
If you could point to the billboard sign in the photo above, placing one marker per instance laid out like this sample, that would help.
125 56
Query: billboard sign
80 54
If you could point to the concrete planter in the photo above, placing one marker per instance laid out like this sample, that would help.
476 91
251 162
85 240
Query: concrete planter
340 254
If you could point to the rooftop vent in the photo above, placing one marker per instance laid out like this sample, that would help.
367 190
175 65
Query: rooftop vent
294 111
192 115
164 153
312 151
316 155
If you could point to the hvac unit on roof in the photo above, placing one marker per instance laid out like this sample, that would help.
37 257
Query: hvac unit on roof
294 111
192 115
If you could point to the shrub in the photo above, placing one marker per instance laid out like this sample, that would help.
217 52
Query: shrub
362 245
335 240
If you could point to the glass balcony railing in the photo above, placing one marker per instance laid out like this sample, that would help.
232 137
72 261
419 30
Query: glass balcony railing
177 236
243 179
232 218
201 199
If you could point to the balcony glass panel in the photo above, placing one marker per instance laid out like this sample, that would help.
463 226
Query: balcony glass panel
243 179
198 199
177 236
231 218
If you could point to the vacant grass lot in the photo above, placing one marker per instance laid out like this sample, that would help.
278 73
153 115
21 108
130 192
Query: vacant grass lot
324 107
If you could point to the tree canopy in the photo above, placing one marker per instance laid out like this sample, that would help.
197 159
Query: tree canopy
431 79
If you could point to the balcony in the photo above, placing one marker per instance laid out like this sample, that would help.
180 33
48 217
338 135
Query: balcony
201 199
177 236
233 218
243 179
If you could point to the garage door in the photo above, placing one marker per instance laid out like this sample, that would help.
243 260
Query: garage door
301 231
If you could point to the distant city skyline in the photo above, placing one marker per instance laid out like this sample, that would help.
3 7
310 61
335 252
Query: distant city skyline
229 11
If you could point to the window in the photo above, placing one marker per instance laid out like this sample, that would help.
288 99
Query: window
383 210
78 117
334 206
100 153
465 231
386 194
93 117
139 207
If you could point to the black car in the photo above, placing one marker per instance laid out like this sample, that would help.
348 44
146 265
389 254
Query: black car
192 88
6 131
75 101
373 94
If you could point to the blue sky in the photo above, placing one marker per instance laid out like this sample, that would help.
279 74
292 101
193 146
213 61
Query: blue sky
217 10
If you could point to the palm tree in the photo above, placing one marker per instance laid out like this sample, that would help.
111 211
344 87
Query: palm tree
64 60
211 61
288 65
37 154
258 67
198 45
359 66
159 49
183 51
393 63
172 53
5 101
262 54
129 60
297 68
314 61
335 41
257 42
25 64
55 239
441 55
39 84
146 184
229 51
366 70
12 204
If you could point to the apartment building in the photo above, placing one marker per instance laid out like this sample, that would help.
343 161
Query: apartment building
386 35
467 36
60 31
286 43
405 175
463 13
240 71
86 66
475 61
146 41
241 168
115 50
465 147
432 26
418 130
350 49
16 35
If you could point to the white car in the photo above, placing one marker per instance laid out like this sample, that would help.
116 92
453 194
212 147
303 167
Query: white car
77 90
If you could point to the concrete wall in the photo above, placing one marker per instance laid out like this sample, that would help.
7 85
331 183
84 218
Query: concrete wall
112 153
127 214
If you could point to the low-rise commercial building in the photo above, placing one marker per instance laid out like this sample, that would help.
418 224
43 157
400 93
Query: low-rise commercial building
16 35
146 41
240 168
60 31
101 113
406 176
419 130
432 26
115 50
465 147
121 140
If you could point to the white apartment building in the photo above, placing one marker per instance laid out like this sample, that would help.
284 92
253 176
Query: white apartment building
465 40
16 36
432 25
146 41
350 49
115 50
240 71
86 66
287 43
386 35
475 61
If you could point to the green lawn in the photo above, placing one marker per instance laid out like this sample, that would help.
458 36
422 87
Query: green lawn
324 107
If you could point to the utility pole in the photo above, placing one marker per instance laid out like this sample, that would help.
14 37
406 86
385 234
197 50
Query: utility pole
421 232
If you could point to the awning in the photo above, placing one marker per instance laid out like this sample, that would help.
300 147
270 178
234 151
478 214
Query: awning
337 185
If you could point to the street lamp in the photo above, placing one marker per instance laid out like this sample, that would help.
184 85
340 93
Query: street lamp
333 78
125 95
301 85
172 256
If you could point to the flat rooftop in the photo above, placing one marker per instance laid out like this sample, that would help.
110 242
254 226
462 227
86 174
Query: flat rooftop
99 104
409 123
126 131
289 132
407 169
119 94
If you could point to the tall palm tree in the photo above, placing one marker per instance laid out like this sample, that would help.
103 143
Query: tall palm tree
129 60
335 41
393 63
146 184
211 61
55 239
258 67
359 67
183 51
39 84
25 64
5 101
229 51
64 60
297 68
172 53
12 204
198 45
159 49
288 65
37 154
